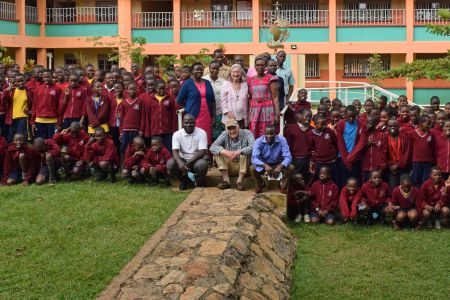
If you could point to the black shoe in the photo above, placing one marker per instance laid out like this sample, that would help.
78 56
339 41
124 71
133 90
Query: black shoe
113 177
183 186
101 177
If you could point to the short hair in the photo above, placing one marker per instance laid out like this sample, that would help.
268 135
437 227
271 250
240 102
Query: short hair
351 108
352 179
271 127
213 62
384 98
99 129
304 110
197 63
47 71
218 51
260 57
326 168
435 98
156 138
434 168
333 110
405 178
423 119
414 108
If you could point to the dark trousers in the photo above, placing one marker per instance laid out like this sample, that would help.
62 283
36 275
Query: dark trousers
301 165
345 173
114 132
45 130
68 121
127 138
199 168
3 126
420 172
19 125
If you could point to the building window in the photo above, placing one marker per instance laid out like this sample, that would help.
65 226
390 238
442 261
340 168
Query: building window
357 65
432 4
69 59
355 5
103 62
312 65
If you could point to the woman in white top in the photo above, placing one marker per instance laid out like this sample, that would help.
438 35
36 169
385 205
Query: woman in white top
235 97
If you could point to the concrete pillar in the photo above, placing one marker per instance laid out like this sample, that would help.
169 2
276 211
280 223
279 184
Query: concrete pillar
42 57
332 73
124 24
42 15
176 21
409 84
256 21
21 56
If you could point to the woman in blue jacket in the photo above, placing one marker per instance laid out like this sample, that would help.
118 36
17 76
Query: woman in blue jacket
197 98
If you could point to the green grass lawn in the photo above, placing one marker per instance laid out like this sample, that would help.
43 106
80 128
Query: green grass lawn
69 241
348 262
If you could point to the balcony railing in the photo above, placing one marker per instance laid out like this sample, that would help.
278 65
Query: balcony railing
7 11
427 16
371 17
216 19
82 15
296 18
152 20
31 14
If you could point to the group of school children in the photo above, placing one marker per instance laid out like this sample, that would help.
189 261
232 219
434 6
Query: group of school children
391 162
82 122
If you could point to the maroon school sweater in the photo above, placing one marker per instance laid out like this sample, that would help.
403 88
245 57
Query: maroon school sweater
299 141
375 196
429 194
325 195
323 145
442 153
75 103
46 102
375 155
158 117
422 146
398 199
130 114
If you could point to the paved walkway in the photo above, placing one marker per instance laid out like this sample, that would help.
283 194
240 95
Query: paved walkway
216 245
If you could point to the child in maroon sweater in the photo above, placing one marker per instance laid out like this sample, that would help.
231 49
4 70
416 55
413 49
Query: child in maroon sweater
3 146
373 146
298 199
159 115
45 107
349 199
325 196
437 130
21 162
403 117
72 142
374 196
97 109
397 150
101 155
414 113
50 160
302 103
324 148
72 108
132 161
298 138
422 147
402 205
153 166
433 199
443 150
368 106
130 117
114 113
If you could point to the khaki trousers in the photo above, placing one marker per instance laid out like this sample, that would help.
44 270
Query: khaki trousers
233 167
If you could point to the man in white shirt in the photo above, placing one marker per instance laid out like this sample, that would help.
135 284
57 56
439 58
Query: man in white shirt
189 149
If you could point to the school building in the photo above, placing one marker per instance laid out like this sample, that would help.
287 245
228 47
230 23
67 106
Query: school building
329 41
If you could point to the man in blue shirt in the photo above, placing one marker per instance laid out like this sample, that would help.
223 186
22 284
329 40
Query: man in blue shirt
271 156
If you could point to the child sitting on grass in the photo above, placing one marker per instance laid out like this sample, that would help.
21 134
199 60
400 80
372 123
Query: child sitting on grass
374 196
153 166
298 199
72 142
349 200
101 155
50 160
433 199
402 206
21 162
134 155
325 198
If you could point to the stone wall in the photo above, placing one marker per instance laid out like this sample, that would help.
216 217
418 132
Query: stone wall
217 245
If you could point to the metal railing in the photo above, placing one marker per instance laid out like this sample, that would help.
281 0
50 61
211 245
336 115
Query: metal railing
7 11
296 18
31 14
370 17
346 91
180 113
427 16
152 20
82 15
214 19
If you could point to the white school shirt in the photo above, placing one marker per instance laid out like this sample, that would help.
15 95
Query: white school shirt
188 144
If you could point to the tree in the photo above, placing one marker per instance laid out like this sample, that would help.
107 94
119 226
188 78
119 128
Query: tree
122 50
438 68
